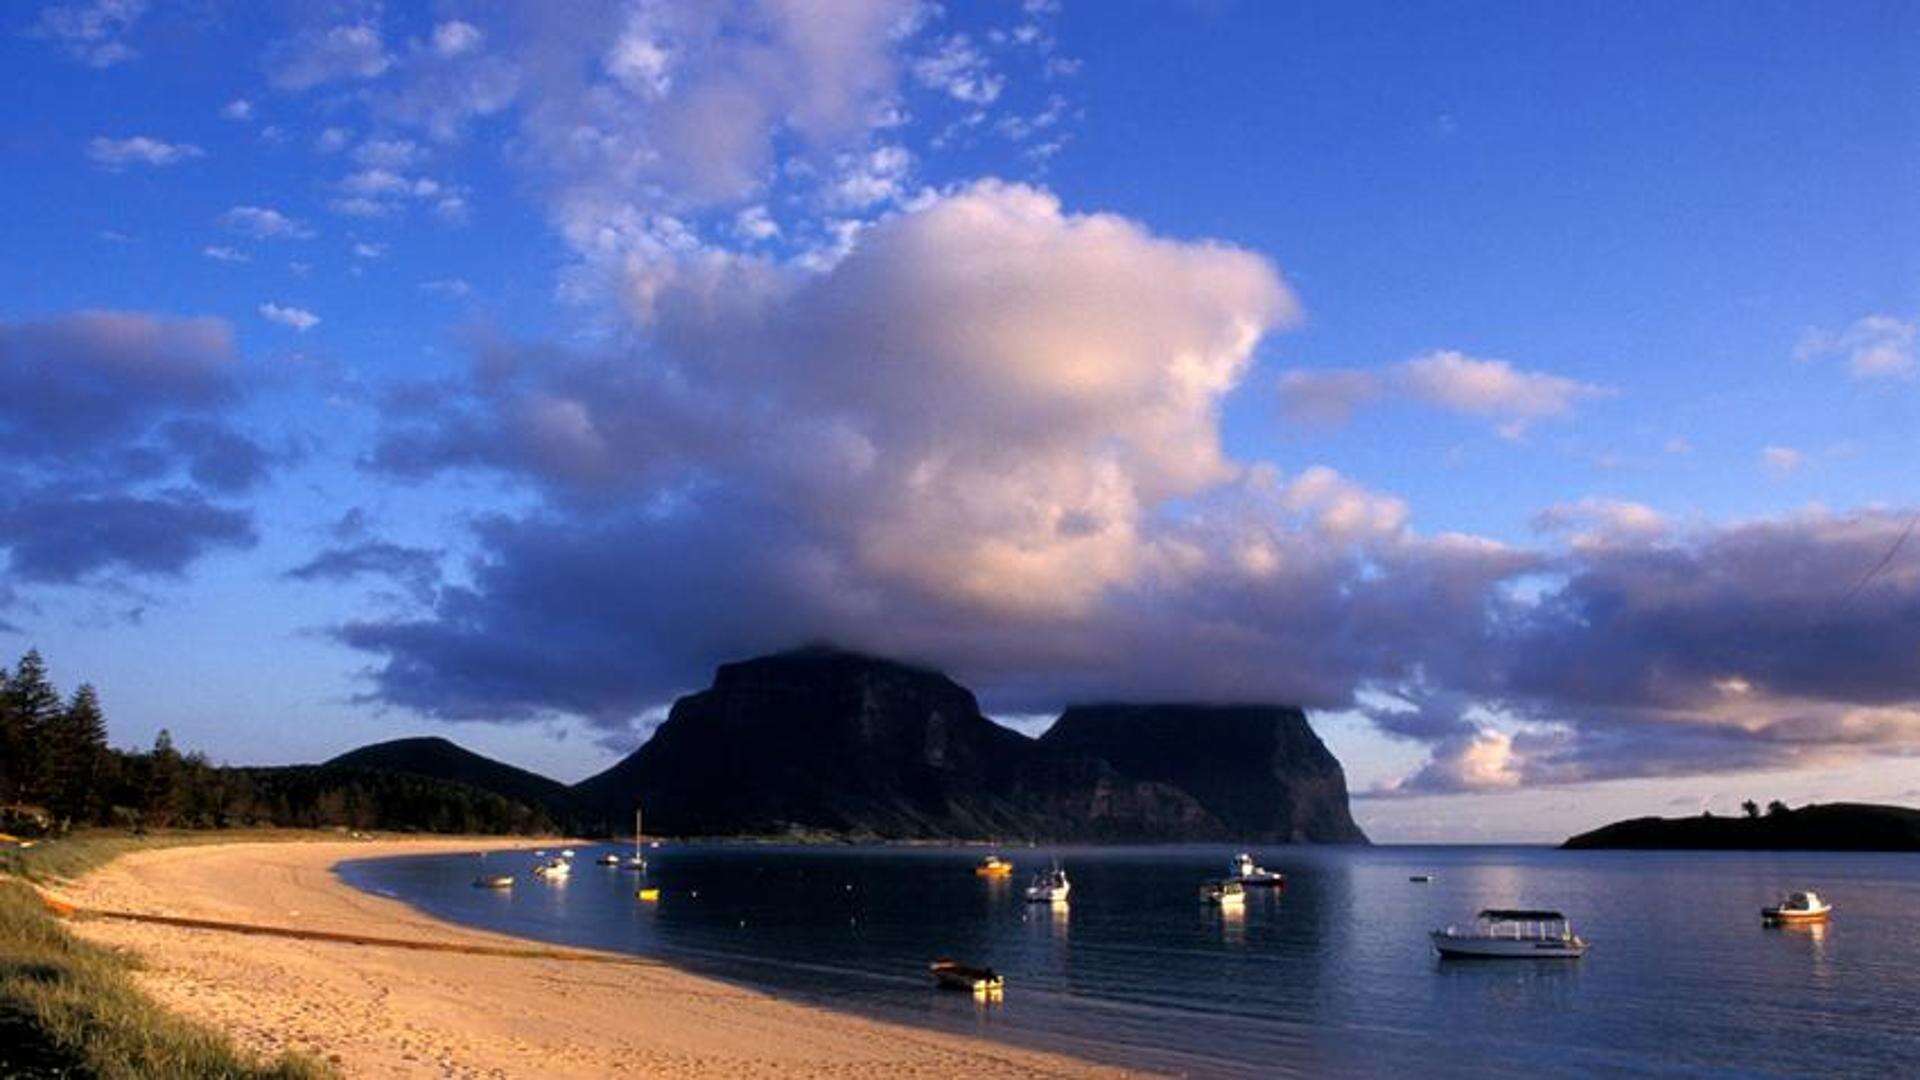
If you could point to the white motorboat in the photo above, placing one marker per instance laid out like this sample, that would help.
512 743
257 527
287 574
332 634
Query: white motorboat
554 869
1800 907
1050 887
1254 876
1228 893
566 853
609 859
1507 933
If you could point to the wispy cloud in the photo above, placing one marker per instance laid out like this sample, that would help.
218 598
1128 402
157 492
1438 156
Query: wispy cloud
1873 347
265 223
298 319
1446 379
111 153
94 33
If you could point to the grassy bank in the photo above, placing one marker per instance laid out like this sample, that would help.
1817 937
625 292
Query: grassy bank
68 1008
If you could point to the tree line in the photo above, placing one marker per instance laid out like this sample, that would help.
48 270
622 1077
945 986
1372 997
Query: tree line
57 772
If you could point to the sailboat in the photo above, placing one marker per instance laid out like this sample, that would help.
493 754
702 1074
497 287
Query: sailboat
636 861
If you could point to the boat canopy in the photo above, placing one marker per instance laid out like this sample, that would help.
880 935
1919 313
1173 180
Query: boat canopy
1521 915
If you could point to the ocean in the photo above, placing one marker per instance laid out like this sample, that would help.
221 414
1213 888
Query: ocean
1334 976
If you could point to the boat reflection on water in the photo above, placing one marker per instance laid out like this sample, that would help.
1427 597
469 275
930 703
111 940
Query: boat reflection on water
1232 922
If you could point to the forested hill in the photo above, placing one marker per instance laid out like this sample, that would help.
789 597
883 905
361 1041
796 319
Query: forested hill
441 759
57 772
1827 827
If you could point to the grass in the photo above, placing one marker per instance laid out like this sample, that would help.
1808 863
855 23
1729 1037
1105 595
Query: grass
68 1007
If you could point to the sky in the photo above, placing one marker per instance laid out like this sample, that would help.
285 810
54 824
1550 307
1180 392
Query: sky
1529 391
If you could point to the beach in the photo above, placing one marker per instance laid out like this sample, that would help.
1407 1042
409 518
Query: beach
506 1008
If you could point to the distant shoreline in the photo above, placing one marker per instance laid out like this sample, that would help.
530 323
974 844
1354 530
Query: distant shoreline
392 1009
1849 827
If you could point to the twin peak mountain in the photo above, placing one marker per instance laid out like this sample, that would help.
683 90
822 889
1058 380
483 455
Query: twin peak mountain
820 741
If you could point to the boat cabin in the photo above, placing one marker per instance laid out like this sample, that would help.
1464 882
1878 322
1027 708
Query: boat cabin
1524 924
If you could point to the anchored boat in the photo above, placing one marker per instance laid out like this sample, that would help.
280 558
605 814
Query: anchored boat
494 881
1050 887
993 866
1800 907
636 861
1254 876
1509 933
981 981
1228 893
554 869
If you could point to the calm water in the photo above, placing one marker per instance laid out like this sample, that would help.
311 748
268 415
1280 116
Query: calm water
1333 977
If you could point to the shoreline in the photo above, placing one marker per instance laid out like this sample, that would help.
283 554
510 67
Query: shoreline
492 1005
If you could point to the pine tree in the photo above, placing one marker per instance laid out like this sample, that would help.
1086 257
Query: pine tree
79 746
35 706
163 781
13 742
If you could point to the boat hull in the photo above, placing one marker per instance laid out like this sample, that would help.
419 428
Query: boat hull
1774 915
1506 948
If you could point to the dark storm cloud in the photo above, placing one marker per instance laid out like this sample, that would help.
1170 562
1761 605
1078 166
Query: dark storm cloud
417 569
57 538
115 433
96 380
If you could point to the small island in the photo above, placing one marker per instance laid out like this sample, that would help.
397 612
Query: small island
1815 827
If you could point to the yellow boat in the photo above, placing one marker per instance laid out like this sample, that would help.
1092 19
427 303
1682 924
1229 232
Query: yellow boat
649 895
994 866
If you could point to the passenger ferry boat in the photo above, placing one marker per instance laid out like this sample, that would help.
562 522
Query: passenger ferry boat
1513 933
1050 887
1800 907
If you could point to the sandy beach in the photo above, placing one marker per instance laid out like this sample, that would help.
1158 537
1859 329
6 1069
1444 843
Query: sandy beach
383 1010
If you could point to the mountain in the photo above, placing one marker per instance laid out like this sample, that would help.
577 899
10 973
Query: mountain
439 759
822 740
1257 769
1828 827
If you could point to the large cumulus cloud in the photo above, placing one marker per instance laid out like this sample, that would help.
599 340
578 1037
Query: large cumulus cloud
116 441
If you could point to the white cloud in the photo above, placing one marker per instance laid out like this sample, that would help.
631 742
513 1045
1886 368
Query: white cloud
390 154
1445 379
364 250
315 56
453 38
265 223
1460 383
237 109
299 319
1874 347
755 224
961 71
1782 460
222 253
139 150
93 32
1594 522
874 176
332 140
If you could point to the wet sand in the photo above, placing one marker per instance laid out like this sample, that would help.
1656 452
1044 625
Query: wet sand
384 1010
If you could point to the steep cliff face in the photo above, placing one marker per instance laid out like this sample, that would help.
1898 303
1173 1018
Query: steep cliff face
1259 770
820 740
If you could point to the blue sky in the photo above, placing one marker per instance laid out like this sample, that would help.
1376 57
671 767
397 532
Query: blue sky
1529 390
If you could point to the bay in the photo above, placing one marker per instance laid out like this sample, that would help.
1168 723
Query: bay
1334 976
